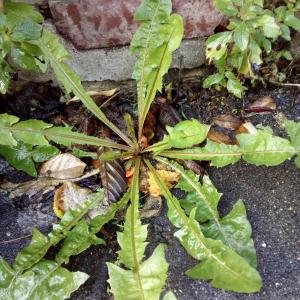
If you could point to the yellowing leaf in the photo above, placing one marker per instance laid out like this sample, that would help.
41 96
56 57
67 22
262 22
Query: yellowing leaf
63 166
170 179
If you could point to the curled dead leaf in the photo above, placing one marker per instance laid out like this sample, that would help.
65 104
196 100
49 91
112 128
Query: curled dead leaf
63 166
113 178
261 105
220 137
93 94
69 196
228 121
246 127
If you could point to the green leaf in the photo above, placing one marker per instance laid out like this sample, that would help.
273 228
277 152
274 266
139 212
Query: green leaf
141 280
293 130
23 156
226 7
234 230
216 45
262 148
140 235
241 36
220 264
234 86
99 221
18 12
32 253
4 78
26 31
6 136
154 42
255 54
292 21
211 80
46 280
169 296
31 132
56 55
152 273
184 134
35 132
220 155
269 26
78 239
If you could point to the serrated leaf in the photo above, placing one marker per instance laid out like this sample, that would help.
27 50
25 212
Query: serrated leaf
152 272
234 230
270 28
262 148
30 132
220 155
26 31
184 134
213 79
56 55
23 156
18 12
220 264
234 85
78 239
35 132
124 238
156 39
141 280
33 252
46 280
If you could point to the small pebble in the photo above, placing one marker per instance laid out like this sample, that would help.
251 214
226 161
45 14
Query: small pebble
264 244
8 234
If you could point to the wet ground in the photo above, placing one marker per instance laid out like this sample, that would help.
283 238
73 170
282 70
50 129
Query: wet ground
271 195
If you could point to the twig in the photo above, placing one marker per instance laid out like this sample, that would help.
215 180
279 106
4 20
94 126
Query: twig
110 98
284 84
16 239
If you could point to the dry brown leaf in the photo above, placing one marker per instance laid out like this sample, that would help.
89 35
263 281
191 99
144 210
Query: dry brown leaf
228 121
69 196
262 105
113 178
220 137
107 93
170 178
63 166
246 127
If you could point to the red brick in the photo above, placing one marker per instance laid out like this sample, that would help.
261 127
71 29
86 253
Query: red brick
91 24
